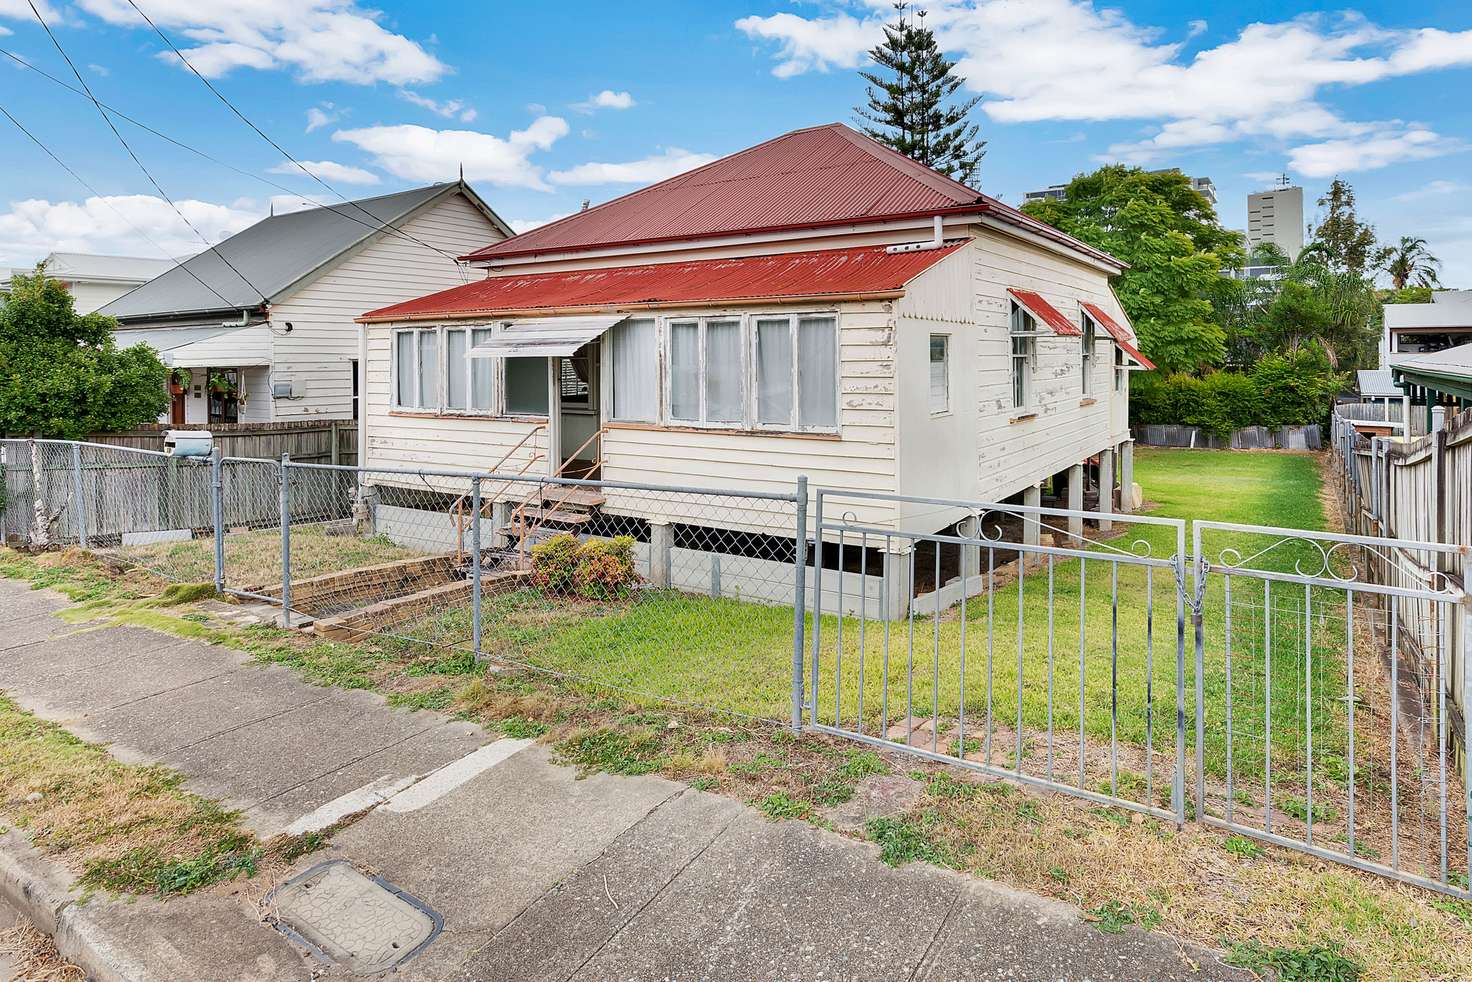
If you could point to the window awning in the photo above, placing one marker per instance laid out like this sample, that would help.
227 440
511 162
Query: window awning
1121 337
1034 304
543 337
166 339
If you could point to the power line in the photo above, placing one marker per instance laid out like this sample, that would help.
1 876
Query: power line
161 135
98 195
262 134
158 187
375 225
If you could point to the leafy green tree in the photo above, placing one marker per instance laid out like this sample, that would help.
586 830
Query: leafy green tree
1169 234
1412 264
61 373
1340 240
910 108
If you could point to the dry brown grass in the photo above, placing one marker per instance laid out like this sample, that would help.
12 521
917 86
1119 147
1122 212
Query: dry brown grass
35 956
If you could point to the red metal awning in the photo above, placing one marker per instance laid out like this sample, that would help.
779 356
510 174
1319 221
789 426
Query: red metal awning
869 271
1121 336
1034 304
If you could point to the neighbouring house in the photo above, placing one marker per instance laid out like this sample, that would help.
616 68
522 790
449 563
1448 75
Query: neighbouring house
95 281
815 305
260 328
1418 330
1437 378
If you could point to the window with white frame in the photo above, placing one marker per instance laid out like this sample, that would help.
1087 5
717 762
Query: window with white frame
634 357
1024 334
940 374
1087 366
707 372
416 369
1120 369
432 371
795 371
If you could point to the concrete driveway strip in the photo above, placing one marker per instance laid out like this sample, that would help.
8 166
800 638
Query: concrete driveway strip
558 934
488 850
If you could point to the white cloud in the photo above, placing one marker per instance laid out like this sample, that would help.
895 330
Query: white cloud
607 99
99 70
22 10
1371 152
655 167
328 170
34 227
1433 189
321 40
1075 60
418 153
318 117
836 41
1196 28
519 225
450 108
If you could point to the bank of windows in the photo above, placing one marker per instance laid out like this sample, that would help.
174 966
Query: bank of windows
762 372
433 373
1024 337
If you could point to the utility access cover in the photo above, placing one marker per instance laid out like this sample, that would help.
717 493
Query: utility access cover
361 922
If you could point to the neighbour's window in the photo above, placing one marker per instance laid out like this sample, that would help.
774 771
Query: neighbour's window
1120 371
707 372
422 357
457 369
940 373
416 375
1024 331
635 357
527 390
1088 358
796 372
482 373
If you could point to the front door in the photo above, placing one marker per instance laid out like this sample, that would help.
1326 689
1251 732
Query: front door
577 389
176 406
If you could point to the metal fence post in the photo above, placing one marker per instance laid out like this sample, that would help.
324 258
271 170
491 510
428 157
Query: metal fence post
817 605
1178 786
78 495
217 514
799 598
475 565
285 540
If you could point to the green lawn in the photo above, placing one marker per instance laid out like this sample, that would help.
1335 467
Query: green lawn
736 656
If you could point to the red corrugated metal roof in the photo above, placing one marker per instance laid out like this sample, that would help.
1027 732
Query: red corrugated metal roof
809 178
1121 336
791 276
1046 313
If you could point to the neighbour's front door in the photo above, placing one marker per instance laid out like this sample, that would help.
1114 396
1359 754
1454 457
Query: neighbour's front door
577 381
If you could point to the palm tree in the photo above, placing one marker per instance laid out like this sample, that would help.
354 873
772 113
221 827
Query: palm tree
1412 264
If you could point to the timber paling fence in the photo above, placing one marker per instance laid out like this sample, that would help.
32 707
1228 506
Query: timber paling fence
1297 687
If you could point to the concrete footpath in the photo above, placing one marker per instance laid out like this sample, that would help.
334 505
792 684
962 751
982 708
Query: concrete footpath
517 869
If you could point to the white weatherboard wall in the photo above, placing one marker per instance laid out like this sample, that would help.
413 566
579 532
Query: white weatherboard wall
316 355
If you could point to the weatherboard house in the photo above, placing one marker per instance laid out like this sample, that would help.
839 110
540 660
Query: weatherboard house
259 328
815 305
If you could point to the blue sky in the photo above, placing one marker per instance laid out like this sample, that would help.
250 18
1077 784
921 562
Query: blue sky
546 111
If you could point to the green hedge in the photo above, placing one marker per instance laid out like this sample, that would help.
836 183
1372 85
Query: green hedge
1280 390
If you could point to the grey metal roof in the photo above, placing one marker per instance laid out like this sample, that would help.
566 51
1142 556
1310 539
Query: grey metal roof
271 256
1448 361
1376 383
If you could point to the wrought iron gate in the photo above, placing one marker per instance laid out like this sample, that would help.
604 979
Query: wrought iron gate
1313 706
